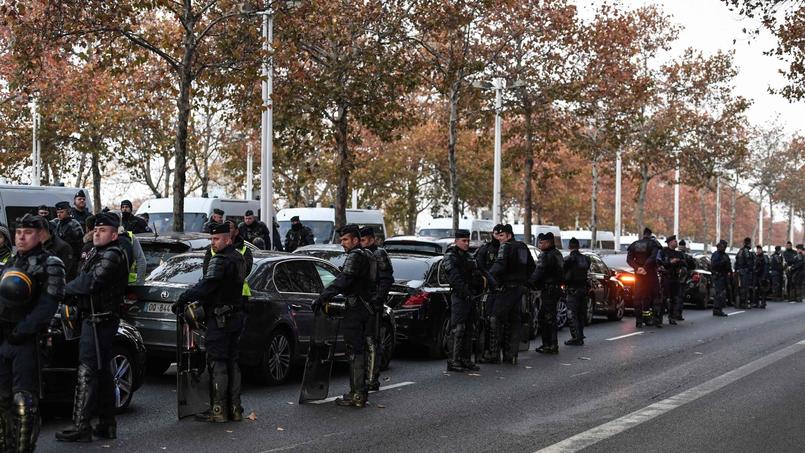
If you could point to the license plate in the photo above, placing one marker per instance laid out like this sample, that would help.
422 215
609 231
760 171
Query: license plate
157 307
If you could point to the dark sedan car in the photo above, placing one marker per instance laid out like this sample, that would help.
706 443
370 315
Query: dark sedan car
333 253
422 245
159 247
280 321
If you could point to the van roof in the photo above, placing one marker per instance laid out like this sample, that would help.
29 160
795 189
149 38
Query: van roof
192 204
587 234
464 224
519 228
361 216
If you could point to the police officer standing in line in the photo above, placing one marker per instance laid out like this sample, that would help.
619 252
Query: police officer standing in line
385 278
485 257
131 222
672 266
31 288
799 273
68 228
760 278
58 248
776 268
744 265
135 257
87 247
44 212
790 258
642 256
511 271
298 236
255 231
220 292
216 218
5 246
98 290
576 267
465 282
79 210
358 282
547 277
721 266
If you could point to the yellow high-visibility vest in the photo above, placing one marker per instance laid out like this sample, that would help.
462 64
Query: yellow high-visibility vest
247 291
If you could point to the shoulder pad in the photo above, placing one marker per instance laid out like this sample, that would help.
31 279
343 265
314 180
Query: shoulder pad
216 269
383 261
354 262
55 277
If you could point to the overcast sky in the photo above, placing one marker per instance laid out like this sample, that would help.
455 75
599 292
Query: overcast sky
710 26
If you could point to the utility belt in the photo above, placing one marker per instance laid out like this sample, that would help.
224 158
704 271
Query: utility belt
223 314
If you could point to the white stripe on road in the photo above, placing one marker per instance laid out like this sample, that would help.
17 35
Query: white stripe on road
617 426
626 336
387 387
736 312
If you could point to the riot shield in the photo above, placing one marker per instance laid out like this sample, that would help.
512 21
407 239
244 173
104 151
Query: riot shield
319 364
192 376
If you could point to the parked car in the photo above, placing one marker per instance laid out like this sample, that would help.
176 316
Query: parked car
159 247
279 325
421 245
606 291
60 361
624 274
334 253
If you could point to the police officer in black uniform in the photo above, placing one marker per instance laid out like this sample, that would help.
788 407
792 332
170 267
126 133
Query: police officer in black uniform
358 282
672 268
216 218
511 270
485 257
576 268
385 278
547 277
58 248
466 282
760 278
79 210
31 288
98 291
130 221
298 236
789 258
721 267
220 292
642 256
776 269
68 228
744 265
255 231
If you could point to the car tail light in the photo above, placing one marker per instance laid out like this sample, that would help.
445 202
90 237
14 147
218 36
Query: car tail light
695 278
131 297
627 279
415 301
128 302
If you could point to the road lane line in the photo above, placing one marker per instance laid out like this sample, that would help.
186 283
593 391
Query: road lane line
387 387
736 312
605 431
626 336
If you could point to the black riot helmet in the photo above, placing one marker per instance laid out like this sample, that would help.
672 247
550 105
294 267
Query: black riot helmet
16 288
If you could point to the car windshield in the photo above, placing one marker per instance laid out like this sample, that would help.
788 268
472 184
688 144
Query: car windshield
583 243
322 230
414 247
616 261
436 232
409 269
179 269
162 222
155 253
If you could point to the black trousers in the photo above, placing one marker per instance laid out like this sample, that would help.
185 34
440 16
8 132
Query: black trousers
672 296
463 313
356 327
720 287
645 295
576 301
549 301
777 284
745 287
507 316
88 356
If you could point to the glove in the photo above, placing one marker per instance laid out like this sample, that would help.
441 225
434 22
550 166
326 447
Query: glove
15 338
316 306
176 308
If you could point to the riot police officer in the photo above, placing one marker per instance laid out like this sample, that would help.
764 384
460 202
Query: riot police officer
642 256
68 228
298 236
760 278
385 278
511 271
79 210
98 290
576 266
31 288
485 257
58 248
721 266
220 293
790 258
547 277
465 282
776 269
255 231
358 282
744 265
216 218
672 267
131 222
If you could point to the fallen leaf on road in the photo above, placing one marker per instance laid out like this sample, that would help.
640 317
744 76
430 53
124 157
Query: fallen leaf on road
386 379
106 446
528 367
699 353
252 416
565 364
584 358
164 448
380 406
229 431
473 374
290 403
280 428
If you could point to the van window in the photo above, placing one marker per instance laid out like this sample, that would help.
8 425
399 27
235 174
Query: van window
15 212
436 232
163 221
322 230
607 245
486 236
474 236
380 234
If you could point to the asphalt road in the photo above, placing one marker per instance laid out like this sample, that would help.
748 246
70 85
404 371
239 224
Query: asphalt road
709 384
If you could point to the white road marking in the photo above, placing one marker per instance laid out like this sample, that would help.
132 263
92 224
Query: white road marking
736 312
592 436
387 387
626 336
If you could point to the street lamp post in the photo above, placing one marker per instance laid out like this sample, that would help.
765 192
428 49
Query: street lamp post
267 128
676 199
36 149
618 176
249 171
718 209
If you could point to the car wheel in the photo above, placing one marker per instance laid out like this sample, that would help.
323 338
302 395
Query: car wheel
277 361
123 372
387 340
620 309
438 348
590 310
561 314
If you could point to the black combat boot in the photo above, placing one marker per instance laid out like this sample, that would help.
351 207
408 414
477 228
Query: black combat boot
719 313
107 426
26 426
372 365
454 362
219 383
85 389
357 383
575 342
234 408
492 353
466 354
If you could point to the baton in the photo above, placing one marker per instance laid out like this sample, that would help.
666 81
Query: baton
95 332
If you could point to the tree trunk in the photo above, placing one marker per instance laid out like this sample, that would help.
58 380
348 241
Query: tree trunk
733 213
593 206
411 207
451 153
770 237
528 170
81 168
790 232
96 181
641 198
705 226
344 165
180 167
166 159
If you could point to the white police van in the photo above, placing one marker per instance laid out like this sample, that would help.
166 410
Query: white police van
17 200
480 230
536 230
322 222
197 211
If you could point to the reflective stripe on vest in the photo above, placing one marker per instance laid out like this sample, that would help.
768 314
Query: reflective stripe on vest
133 267
247 290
